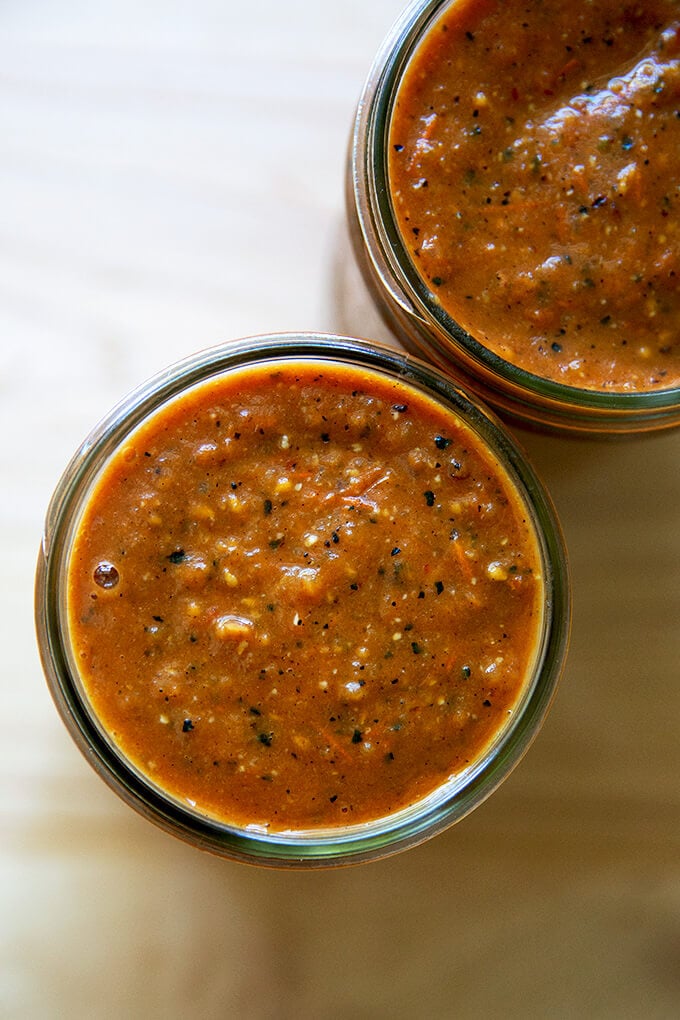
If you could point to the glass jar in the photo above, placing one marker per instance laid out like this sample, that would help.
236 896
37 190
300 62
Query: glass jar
412 310
314 847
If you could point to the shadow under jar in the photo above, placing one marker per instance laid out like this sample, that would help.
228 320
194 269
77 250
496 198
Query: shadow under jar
301 602
514 200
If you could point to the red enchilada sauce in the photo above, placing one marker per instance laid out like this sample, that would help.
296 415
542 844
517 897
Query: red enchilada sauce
303 596
534 166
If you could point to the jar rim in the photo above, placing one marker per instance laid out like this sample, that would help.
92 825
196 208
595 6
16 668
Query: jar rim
413 304
314 848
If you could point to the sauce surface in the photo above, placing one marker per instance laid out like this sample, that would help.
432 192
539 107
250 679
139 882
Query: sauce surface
303 596
534 166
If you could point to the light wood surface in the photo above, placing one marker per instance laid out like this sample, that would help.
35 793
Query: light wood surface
171 175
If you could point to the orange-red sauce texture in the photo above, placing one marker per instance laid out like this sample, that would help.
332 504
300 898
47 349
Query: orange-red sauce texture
303 596
534 165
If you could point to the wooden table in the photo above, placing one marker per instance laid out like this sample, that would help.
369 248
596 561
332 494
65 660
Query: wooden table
171 176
